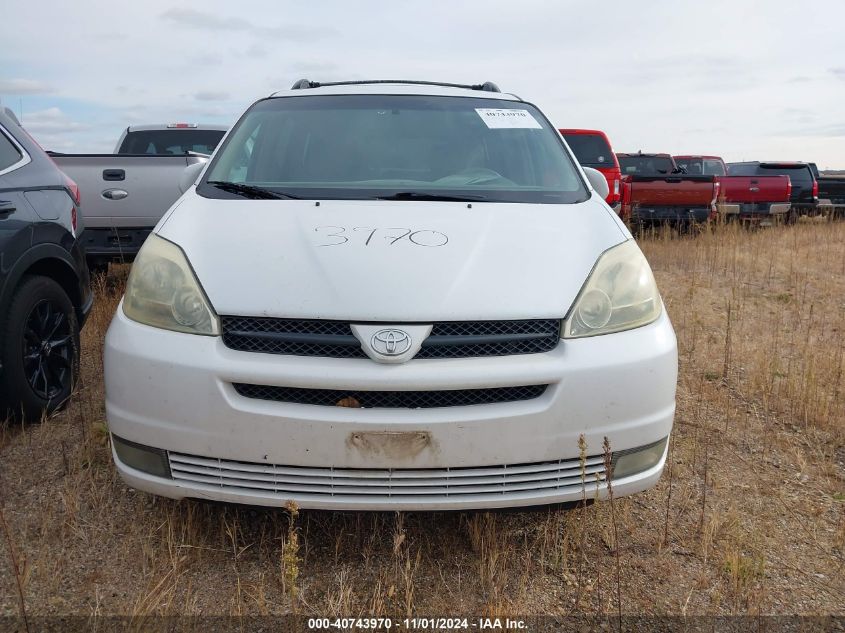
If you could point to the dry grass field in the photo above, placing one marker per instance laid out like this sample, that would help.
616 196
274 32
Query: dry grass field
749 517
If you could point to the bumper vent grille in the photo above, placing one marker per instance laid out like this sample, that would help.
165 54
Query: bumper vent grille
334 339
390 399
417 485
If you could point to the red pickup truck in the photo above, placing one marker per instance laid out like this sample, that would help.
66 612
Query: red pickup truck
655 191
592 149
749 197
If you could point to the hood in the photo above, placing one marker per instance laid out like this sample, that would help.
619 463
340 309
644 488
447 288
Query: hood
409 261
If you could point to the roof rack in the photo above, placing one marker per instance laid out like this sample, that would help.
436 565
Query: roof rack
303 84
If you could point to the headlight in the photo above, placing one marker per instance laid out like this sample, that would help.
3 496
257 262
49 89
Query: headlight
163 291
620 294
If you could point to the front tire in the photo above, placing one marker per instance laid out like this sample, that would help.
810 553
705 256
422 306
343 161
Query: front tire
39 350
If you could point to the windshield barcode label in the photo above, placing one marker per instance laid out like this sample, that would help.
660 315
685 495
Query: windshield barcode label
496 118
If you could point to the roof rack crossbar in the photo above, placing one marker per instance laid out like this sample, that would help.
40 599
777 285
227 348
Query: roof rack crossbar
487 86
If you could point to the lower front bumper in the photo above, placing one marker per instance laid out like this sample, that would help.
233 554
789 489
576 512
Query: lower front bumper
362 494
175 392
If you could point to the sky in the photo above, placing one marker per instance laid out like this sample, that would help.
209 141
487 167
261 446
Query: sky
747 80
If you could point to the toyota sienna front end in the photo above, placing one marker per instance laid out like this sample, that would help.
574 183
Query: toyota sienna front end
390 296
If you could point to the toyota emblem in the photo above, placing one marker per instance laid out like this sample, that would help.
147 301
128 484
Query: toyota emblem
390 342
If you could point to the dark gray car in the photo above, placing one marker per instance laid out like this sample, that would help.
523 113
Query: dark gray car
45 294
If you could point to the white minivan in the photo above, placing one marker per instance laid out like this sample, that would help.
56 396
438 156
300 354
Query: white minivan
391 296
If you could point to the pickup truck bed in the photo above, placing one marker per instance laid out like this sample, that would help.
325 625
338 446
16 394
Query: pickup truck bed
749 196
832 188
754 196
676 198
123 197
832 194
656 191
804 189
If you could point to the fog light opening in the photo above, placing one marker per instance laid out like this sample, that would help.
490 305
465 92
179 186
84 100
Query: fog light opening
147 459
636 460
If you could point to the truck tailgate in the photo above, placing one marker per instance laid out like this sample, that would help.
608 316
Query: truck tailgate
125 190
672 191
754 189
832 188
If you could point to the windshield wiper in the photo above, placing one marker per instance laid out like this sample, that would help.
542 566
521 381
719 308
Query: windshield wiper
418 195
250 191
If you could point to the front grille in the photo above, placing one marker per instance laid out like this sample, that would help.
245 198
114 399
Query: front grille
390 399
291 336
417 484
457 339
334 339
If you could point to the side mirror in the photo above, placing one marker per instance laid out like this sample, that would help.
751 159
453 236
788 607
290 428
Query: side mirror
190 175
597 181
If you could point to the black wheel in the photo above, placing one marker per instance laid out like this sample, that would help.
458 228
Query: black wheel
792 216
39 350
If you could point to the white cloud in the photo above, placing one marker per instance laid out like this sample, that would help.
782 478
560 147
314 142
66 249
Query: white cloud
256 50
202 20
314 66
651 77
211 95
213 22
54 130
51 121
23 87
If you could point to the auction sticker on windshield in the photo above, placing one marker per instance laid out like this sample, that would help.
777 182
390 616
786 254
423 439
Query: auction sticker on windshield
508 119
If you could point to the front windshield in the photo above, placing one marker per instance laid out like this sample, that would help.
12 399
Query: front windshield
407 146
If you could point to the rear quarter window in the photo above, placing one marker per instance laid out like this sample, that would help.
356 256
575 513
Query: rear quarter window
9 153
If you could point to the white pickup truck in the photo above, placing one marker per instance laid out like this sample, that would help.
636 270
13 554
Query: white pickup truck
124 194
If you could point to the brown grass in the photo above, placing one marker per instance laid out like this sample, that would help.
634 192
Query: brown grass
749 518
